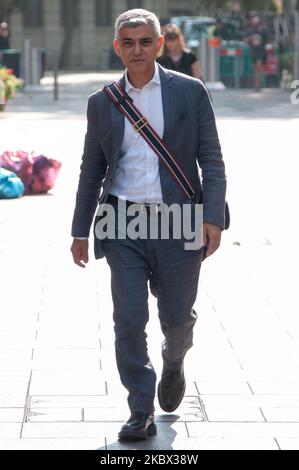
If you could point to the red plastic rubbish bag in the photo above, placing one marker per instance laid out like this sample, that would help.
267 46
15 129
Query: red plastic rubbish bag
38 173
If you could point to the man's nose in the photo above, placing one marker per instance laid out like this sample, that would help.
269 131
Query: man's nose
137 48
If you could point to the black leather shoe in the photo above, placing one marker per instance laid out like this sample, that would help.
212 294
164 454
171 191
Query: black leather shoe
171 388
138 427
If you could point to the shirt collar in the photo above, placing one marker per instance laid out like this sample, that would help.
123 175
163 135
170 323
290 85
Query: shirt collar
155 79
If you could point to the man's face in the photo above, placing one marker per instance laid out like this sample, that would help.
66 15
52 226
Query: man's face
138 48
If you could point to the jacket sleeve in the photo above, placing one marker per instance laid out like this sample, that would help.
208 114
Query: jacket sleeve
92 172
210 161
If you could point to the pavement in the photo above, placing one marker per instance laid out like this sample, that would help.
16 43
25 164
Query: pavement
59 386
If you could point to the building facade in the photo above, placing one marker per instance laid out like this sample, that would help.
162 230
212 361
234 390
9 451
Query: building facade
43 22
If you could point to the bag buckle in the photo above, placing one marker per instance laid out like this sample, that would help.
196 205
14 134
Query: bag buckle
140 124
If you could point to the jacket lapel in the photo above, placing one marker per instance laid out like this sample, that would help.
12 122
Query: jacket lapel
118 127
169 111
169 103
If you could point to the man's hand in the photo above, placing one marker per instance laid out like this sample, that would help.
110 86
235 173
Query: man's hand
79 251
211 238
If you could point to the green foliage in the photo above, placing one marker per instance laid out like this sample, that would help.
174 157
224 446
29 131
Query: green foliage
287 61
10 83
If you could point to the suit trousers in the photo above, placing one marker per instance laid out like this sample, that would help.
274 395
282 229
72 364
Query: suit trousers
172 274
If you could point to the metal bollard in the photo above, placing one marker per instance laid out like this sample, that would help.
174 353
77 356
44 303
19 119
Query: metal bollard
296 54
203 56
214 64
237 66
27 62
35 66
55 72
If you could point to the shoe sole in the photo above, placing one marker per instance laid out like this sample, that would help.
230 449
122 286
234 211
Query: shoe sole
166 408
138 435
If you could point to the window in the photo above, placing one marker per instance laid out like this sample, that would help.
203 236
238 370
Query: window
103 12
33 14
134 4
69 12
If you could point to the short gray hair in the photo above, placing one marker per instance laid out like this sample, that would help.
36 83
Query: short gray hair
137 17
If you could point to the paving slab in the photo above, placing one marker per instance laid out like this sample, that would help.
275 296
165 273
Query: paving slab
72 401
244 430
52 444
190 444
288 444
167 431
11 415
10 430
66 383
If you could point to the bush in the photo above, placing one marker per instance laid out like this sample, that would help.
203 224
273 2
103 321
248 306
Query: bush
287 61
9 84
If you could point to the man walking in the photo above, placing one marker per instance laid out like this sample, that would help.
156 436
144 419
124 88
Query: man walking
120 162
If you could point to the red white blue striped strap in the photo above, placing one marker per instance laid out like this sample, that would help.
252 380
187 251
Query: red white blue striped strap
124 104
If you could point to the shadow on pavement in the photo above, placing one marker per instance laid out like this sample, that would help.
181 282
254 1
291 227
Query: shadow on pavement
163 440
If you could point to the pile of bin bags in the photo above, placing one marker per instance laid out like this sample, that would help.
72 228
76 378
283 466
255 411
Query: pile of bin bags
24 173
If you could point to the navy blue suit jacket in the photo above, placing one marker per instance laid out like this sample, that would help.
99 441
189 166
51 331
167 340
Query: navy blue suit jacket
190 133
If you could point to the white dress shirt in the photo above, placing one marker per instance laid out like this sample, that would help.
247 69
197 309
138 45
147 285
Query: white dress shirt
137 174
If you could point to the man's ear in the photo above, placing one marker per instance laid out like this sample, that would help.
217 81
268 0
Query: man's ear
116 48
160 42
